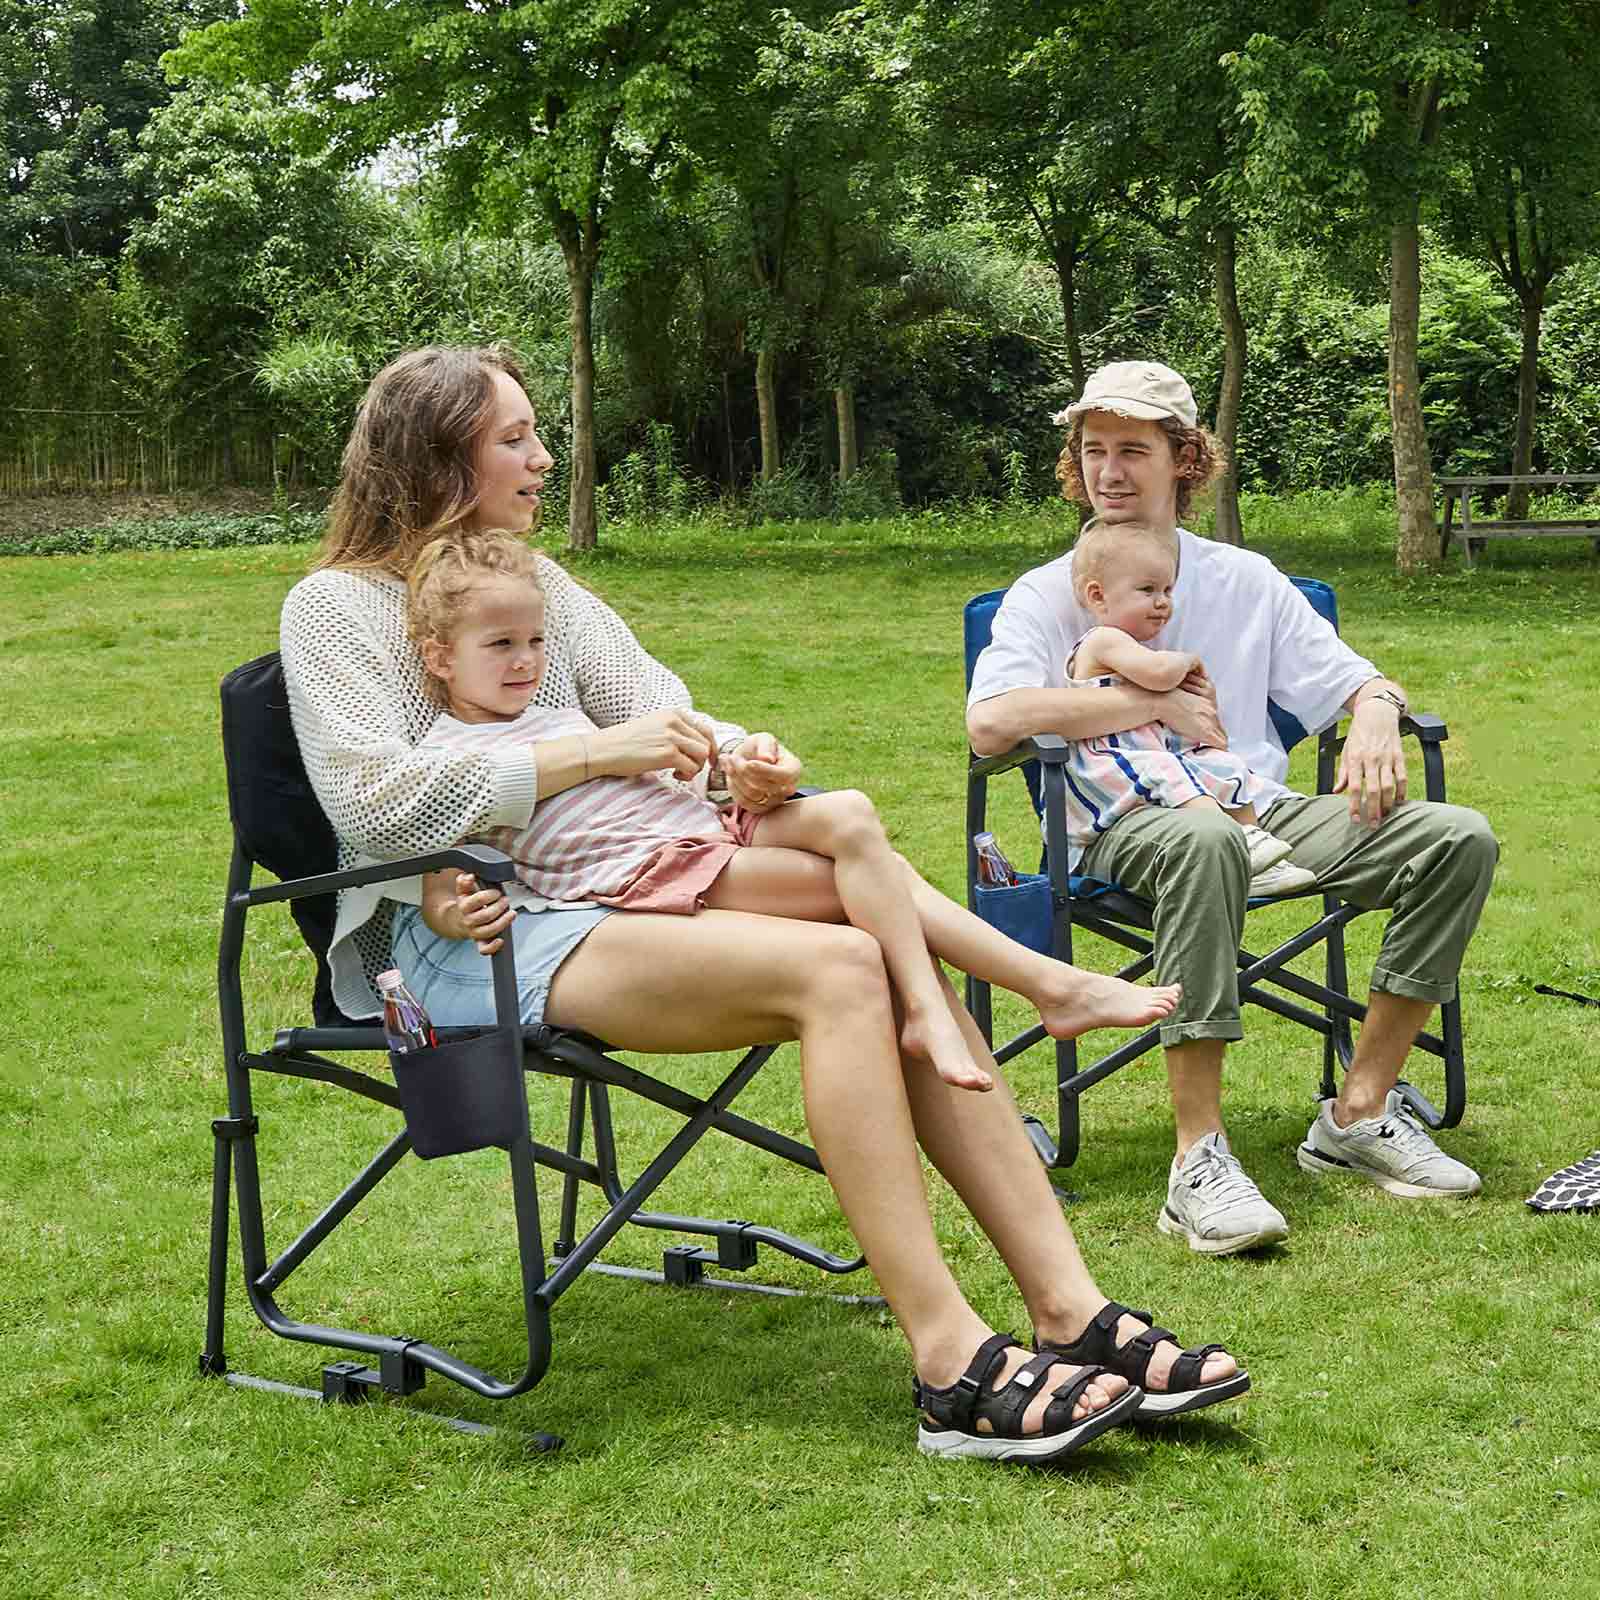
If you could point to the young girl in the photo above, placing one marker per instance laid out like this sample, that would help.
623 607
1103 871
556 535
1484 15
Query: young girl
655 842
1123 575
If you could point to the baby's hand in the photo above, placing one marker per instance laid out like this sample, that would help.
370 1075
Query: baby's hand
485 912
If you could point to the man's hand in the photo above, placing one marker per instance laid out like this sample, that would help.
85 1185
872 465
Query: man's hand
1372 767
1193 713
760 773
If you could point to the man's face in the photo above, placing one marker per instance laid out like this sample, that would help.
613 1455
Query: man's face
1129 470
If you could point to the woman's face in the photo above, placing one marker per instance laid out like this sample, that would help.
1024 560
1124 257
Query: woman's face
510 461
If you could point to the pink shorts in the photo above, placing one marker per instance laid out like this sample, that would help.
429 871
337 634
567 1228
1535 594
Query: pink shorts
677 876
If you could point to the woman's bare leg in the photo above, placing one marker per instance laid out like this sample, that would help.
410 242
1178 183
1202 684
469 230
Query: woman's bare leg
981 1150
844 826
724 980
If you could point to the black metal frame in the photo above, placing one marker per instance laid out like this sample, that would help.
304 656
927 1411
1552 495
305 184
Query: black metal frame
402 1362
1126 920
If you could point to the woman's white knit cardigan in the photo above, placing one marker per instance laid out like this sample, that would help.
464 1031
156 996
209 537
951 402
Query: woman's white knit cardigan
359 707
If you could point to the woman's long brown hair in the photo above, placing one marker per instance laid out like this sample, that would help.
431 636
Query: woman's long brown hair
408 472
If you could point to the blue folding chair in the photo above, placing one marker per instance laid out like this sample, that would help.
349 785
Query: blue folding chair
1044 910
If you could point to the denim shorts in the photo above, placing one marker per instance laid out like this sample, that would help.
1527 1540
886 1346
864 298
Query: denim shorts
454 982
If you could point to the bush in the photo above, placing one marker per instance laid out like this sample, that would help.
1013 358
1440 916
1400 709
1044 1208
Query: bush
201 531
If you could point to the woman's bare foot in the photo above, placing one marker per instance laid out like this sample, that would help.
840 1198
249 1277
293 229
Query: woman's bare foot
934 1036
1076 1001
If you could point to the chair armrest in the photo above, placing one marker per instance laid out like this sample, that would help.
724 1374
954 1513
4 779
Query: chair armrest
483 861
1430 730
1047 748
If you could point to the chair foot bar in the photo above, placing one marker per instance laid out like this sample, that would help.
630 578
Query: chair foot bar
700 1281
753 1233
484 1430
1074 1085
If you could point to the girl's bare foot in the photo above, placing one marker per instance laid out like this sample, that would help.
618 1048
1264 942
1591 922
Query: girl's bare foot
1077 1001
935 1037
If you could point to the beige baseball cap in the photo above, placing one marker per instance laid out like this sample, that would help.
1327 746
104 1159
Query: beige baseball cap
1143 389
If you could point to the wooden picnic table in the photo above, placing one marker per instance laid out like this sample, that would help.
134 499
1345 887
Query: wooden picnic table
1459 491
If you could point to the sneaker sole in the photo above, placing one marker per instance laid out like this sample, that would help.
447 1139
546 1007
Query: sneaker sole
1156 1406
1310 1160
954 1445
1167 1223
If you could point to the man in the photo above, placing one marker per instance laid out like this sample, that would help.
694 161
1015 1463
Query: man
1136 452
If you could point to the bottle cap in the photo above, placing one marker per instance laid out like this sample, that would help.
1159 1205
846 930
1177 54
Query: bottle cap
982 839
392 979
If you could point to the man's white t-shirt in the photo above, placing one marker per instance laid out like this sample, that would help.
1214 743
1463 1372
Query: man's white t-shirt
1257 634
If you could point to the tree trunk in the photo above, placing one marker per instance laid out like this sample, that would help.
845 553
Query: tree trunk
1228 527
582 532
767 407
1527 399
844 405
1417 544
1066 258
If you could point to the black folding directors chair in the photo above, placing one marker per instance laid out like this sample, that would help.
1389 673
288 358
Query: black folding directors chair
1046 908
467 1094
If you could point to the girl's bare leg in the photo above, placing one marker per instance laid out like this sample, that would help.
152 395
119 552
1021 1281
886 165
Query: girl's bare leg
1070 1000
980 1148
843 826
724 980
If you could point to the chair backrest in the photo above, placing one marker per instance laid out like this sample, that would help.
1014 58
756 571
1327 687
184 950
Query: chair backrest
277 820
977 622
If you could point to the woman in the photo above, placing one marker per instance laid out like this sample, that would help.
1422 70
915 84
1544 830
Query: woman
446 437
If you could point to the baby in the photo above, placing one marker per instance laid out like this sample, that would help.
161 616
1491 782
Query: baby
1123 575
651 841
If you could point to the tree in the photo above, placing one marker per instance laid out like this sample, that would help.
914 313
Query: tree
566 105
1524 191
1349 112
78 81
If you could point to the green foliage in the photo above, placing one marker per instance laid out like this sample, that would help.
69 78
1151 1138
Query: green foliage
196 531
316 384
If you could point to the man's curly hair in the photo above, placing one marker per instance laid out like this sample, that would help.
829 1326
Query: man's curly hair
1206 464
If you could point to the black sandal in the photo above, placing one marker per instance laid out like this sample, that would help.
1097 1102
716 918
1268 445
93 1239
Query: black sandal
1184 1391
950 1416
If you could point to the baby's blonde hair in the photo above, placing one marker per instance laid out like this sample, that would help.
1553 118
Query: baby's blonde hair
1100 543
444 576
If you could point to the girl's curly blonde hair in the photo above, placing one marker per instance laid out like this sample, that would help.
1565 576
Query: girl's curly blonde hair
444 576
1205 463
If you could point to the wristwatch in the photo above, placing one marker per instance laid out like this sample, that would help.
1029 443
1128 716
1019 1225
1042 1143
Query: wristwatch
1391 697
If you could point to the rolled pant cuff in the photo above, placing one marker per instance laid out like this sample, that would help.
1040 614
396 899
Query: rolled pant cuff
1387 982
1187 1032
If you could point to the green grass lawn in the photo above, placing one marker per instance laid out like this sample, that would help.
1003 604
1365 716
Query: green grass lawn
1420 1419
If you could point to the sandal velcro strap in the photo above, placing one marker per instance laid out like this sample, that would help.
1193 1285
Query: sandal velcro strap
954 1407
971 1399
1130 1360
1186 1369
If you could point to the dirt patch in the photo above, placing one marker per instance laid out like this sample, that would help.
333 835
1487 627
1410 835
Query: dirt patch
25 515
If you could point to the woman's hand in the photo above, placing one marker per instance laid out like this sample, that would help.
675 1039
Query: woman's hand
664 741
485 913
760 773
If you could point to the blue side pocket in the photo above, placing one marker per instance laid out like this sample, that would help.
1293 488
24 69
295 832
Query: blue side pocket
1021 909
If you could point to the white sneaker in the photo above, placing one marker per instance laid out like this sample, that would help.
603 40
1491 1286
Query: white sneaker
1283 877
1265 848
1213 1203
1393 1150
